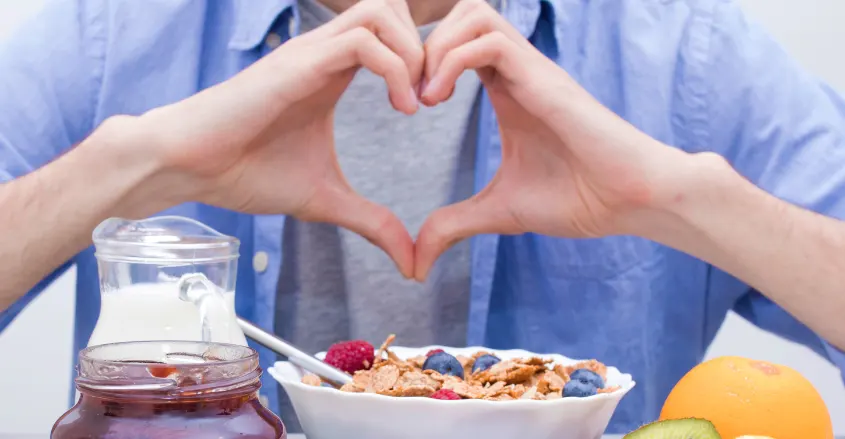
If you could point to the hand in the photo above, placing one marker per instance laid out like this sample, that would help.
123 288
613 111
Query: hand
570 167
262 142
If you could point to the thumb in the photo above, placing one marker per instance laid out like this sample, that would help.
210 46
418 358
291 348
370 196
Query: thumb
376 223
449 225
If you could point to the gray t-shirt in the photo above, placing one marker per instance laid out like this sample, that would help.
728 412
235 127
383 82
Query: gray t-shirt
335 285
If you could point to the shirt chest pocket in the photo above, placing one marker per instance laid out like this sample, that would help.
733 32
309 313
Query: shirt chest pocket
599 258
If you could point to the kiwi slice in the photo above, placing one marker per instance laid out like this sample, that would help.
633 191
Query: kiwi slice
676 429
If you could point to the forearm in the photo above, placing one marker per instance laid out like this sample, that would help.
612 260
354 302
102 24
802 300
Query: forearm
793 256
47 216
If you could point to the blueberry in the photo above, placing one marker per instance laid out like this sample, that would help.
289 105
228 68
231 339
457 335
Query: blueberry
588 376
484 362
578 389
444 364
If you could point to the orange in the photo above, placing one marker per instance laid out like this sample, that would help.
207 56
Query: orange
743 397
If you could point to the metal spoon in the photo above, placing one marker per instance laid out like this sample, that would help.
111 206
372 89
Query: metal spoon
330 374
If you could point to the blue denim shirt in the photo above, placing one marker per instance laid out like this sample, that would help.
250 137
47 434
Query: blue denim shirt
691 73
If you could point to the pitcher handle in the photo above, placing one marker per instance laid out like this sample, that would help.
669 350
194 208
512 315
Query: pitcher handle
215 316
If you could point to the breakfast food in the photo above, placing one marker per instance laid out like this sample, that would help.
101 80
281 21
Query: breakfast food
750 397
678 428
446 394
483 375
351 356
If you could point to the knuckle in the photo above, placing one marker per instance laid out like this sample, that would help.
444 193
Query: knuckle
373 9
478 5
439 231
383 12
487 17
395 67
417 55
375 222
382 218
360 36
430 46
499 38
120 126
451 58
376 15
118 121
498 44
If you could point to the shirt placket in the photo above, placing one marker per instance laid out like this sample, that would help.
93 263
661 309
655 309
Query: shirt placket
524 16
268 232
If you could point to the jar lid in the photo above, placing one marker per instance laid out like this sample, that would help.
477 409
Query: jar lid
163 239
167 369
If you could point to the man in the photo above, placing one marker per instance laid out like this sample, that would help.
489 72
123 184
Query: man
227 121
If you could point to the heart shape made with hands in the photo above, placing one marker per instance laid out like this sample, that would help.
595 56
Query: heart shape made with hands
547 182
570 167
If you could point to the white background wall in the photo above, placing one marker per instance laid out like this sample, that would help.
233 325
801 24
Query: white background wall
35 385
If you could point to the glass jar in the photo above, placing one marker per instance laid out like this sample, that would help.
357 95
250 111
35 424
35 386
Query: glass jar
168 390
165 278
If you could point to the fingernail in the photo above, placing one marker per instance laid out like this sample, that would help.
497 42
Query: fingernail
415 101
431 86
421 87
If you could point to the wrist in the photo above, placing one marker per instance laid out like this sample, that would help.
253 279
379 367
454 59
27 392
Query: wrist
123 153
686 188
695 182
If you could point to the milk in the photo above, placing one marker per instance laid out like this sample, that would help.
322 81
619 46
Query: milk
154 311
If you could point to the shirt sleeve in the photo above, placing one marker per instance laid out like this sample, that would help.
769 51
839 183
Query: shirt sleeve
783 129
51 72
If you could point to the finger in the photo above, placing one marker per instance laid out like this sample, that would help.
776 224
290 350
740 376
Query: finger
449 225
380 17
359 47
471 19
376 223
491 50
445 26
400 8
461 9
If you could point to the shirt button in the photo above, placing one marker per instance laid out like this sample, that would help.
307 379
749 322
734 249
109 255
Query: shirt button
273 40
260 261
291 27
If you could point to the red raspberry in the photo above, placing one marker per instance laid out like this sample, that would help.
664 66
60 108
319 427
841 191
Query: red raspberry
432 352
445 394
351 356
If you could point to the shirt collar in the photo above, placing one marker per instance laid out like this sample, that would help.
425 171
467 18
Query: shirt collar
254 18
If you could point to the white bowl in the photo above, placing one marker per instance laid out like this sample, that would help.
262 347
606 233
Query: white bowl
327 413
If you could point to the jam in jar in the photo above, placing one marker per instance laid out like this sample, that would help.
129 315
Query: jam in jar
168 390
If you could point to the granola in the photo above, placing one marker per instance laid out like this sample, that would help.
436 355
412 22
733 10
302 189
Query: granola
505 380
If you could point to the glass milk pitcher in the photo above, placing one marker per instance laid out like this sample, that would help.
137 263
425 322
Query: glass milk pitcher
165 278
